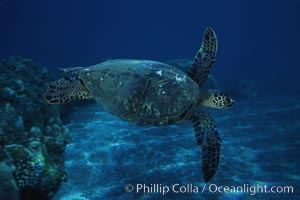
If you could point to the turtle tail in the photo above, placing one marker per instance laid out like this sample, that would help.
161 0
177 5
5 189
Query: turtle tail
66 89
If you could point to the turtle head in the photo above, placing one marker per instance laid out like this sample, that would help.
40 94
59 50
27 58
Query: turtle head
228 101
215 99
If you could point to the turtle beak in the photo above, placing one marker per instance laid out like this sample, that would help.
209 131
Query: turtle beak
229 102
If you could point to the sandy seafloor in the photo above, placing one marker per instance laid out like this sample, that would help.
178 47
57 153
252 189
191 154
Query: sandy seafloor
261 145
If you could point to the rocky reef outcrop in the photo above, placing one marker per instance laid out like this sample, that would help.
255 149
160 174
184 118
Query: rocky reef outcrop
32 135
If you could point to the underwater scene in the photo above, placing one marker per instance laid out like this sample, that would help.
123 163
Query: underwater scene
149 100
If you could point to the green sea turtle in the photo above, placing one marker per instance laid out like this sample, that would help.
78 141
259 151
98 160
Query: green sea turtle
151 93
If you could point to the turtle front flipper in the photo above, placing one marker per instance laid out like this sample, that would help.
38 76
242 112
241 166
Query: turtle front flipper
204 58
209 141
66 89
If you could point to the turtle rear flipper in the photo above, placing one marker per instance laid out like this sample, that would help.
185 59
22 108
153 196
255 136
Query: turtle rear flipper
209 141
66 89
204 58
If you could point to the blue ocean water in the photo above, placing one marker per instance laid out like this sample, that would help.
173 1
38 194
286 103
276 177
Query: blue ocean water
257 39
258 42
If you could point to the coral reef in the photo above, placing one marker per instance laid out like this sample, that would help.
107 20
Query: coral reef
32 136
8 189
